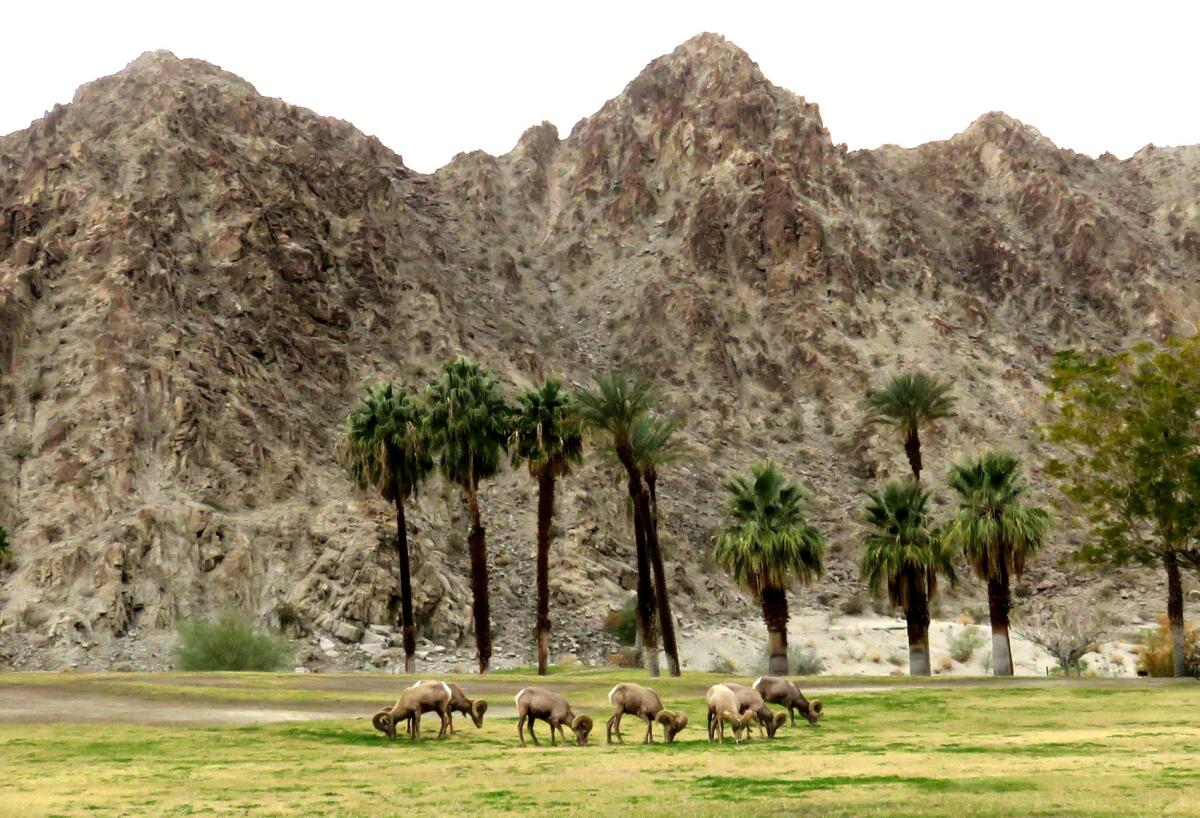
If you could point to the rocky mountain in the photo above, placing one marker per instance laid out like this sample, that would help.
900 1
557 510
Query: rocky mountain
196 282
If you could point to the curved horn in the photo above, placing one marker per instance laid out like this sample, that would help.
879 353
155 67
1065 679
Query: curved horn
581 727
478 708
665 717
383 721
780 719
816 708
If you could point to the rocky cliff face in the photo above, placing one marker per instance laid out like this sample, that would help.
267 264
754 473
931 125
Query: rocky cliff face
196 281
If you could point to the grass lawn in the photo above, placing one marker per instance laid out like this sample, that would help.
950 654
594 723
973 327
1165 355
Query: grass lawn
1016 749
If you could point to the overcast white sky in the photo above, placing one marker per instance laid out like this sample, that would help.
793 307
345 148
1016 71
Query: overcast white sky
432 79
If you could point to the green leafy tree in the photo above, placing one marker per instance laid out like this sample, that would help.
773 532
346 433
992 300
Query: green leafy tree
997 533
903 553
614 406
655 444
469 424
1127 426
767 545
909 403
548 437
386 449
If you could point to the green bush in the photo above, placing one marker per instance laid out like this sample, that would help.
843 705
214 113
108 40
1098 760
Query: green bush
622 623
854 605
230 643
963 645
5 550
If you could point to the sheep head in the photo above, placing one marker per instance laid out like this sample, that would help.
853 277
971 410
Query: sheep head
814 711
672 722
581 726
478 708
384 722
775 721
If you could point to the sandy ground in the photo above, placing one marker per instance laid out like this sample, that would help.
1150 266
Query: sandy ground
872 645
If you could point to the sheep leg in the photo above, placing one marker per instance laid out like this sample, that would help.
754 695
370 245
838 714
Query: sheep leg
444 712
710 726
792 713
614 725
649 739
532 735
553 739
521 727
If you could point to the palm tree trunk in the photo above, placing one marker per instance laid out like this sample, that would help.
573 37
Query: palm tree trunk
481 604
645 587
775 615
912 448
544 519
662 591
1175 612
917 617
407 626
999 604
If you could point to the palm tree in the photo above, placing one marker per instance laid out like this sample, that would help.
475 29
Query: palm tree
614 406
386 449
997 533
768 544
654 445
903 552
909 402
548 437
468 419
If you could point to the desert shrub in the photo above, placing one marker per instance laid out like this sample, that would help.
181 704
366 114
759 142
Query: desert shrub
622 623
5 551
622 658
1155 658
807 662
289 619
854 605
943 665
964 644
722 664
232 642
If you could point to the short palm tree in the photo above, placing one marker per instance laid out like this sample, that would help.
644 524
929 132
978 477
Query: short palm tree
548 437
997 532
904 553
469 426
386 449
655 444
613 406
768 544
908 403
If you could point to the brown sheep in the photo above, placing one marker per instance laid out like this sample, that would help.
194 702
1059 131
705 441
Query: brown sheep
750 701
672 722
412 703
635 700
550 707
459 703
785 692
723 707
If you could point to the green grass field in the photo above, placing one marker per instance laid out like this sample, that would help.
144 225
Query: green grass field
1016 749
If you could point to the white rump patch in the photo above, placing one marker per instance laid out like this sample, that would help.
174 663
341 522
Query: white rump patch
611 692
517 698
757 682
446 687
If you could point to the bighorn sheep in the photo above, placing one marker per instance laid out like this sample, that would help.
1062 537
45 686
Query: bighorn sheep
459 703
412 703
785 692
672 722
750 701
550 707
723 707
643 703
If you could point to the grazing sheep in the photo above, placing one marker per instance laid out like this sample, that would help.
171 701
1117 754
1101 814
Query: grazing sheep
459 703
785 692
723 707
412 703
672 722
750 701
550 707
635 700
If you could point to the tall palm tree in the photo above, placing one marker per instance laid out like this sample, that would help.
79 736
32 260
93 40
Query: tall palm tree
903 552
614 406
909 402
548 437
997 533
768 544
386 449
654 445
469 426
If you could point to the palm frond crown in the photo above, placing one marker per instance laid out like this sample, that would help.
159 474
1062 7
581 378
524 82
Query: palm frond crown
547 432
469 420
910 401
901 545
385 446
615 403
769 541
